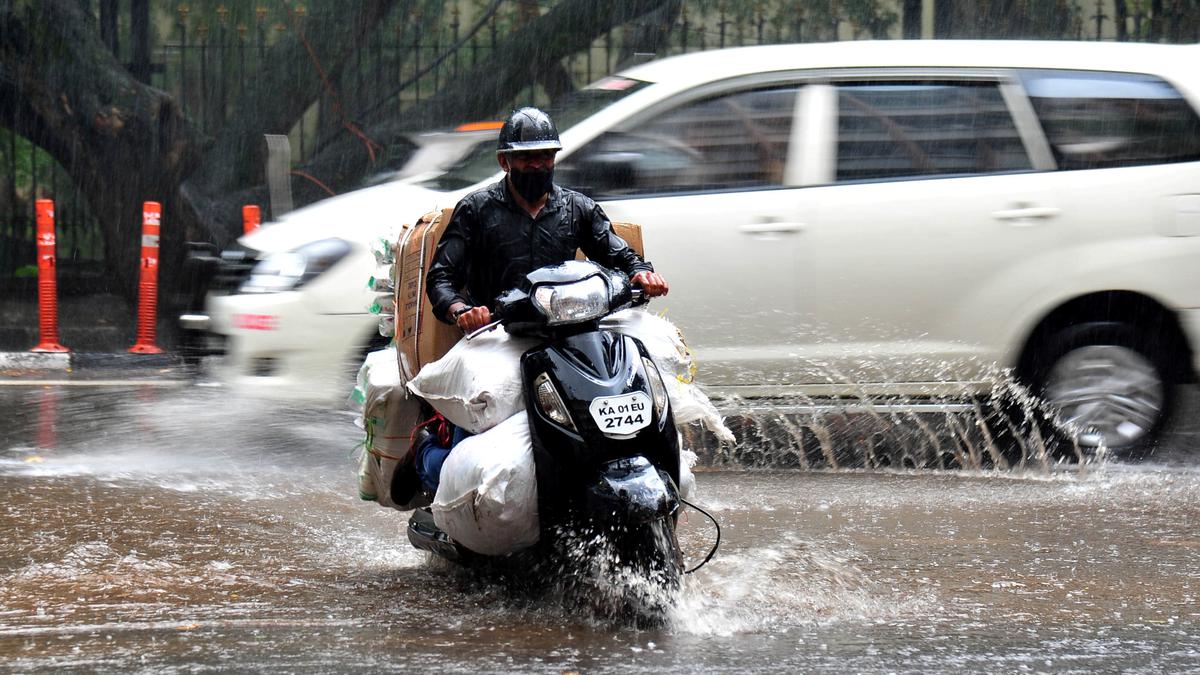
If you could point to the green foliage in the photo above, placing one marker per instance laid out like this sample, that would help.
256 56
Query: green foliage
33 172
15 157
28 174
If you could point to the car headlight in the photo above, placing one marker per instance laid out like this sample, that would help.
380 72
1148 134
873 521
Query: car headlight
574 302
286 271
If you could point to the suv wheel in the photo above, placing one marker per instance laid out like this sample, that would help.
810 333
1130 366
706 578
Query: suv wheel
1109 384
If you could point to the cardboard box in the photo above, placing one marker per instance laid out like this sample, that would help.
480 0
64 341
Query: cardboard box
420 336
632 234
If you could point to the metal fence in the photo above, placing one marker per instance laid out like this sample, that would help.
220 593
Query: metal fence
27 174
208 59
207 62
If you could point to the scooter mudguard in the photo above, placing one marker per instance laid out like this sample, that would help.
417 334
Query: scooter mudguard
571 459
632 492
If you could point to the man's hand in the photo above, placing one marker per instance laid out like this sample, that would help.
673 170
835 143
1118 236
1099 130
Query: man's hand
652 283
471 320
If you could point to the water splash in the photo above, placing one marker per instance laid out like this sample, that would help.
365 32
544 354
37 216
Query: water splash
794 583
1009 428
629 577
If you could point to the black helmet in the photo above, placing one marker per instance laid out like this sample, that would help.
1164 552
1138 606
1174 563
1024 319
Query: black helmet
528 129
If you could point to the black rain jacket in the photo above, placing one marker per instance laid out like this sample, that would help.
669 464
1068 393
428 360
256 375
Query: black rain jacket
491 243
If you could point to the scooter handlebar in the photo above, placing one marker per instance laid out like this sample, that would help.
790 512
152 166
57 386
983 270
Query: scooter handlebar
638 296
483 329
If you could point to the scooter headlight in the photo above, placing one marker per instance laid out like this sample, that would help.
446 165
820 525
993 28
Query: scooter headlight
656 387
551 403
574 302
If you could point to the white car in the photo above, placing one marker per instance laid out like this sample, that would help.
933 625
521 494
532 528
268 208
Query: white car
847 219
437 151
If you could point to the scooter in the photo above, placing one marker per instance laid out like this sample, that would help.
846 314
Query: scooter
605 447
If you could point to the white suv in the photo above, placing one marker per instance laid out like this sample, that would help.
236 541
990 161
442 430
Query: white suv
862 219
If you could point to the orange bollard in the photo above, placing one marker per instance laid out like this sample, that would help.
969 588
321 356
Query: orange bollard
148 284
47 280
251 218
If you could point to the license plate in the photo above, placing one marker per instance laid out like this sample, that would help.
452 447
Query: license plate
621 415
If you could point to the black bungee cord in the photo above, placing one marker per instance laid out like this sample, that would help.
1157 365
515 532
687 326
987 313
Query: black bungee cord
716 543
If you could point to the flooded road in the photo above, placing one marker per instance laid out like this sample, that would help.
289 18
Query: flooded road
165 530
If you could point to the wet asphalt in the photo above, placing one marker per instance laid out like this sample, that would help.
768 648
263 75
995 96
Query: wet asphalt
154 525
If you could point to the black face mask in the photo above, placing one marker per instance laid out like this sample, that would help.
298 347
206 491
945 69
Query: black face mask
531 185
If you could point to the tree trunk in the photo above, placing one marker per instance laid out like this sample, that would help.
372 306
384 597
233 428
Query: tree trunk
651 35
557 82
122 142
285 87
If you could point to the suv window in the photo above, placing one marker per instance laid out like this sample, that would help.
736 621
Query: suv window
1097 120
733 141
899 129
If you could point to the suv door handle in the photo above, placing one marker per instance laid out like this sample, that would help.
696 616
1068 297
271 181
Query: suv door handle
1027 215
772 228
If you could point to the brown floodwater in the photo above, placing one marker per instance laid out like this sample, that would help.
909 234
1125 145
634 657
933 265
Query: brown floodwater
161 530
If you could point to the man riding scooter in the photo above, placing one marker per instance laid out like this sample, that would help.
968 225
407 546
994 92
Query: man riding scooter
500 233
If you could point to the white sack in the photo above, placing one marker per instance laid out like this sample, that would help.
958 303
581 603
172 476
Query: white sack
674 360
487 498
477 384
662 339
373 375
389 416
